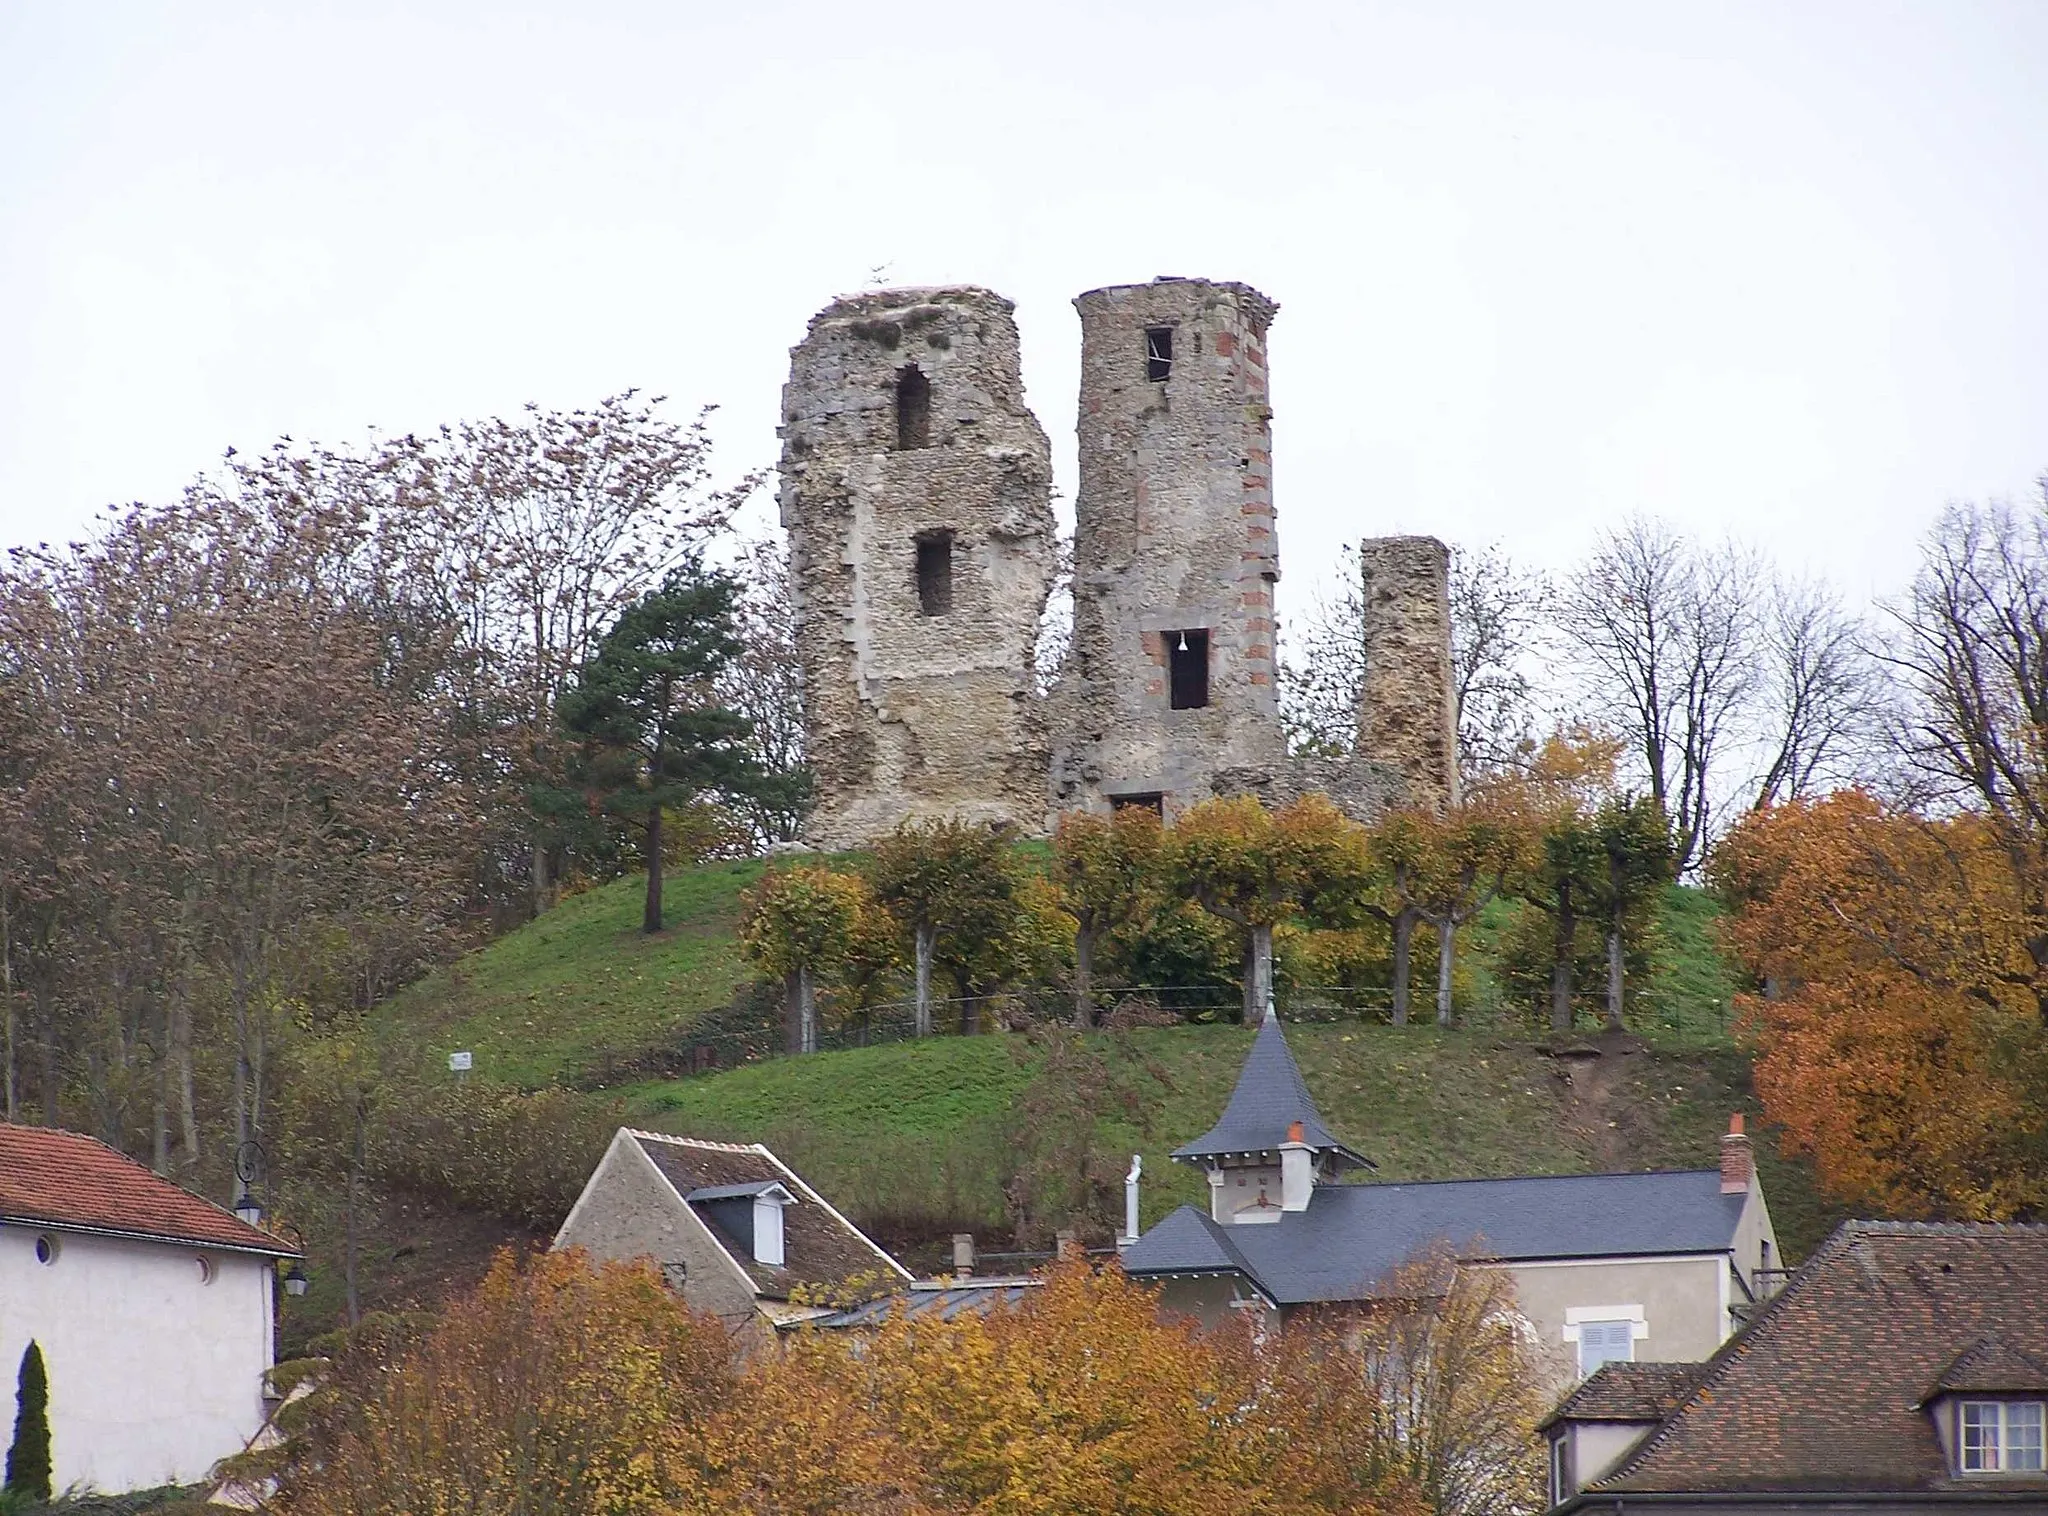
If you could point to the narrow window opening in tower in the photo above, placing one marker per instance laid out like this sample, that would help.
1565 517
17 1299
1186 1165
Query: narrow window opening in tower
1158 353
1151 801
935 573
913 409
1187 669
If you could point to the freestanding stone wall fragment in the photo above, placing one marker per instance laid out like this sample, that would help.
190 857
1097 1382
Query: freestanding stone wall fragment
1170 681
1408 709
915 490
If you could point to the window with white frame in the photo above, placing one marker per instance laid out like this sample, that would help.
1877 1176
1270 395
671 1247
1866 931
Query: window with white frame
2001 1436
1605 1342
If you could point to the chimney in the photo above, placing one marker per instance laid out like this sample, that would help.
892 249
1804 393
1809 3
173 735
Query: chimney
1066 1245
963 1255
1297 1170
1131 1201
1738 1158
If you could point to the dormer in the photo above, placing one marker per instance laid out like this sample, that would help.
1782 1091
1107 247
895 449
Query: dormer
750 1214
1990 1411
1270 1149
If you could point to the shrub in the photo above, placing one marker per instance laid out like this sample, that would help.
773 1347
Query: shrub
28 1456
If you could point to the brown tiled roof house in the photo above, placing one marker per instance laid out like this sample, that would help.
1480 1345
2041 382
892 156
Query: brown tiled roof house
733 1228
1904 1369
152 1309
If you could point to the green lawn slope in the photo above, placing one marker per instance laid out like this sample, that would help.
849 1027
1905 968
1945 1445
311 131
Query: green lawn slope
919 1139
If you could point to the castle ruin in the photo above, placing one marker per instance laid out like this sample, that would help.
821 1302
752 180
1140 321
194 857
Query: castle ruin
915 490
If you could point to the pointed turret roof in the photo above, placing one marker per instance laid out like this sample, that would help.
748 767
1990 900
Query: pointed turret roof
1270 1097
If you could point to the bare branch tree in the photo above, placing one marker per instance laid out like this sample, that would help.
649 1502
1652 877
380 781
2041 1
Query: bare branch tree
1818 694
1666 637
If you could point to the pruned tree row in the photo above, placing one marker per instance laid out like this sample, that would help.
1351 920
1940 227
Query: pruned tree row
1300 890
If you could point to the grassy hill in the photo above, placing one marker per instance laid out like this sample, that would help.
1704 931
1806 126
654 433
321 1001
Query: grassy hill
920 1139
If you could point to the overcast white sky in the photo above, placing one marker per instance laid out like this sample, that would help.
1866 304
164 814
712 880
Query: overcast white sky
1777 269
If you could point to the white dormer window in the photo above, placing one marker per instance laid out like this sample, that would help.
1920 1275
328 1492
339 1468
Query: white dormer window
768 1225
2001 1436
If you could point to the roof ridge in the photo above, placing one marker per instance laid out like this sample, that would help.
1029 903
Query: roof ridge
698 1142
1411 1184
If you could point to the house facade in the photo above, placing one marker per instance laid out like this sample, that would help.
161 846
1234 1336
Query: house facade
1605 1266
154 1310
734 1230
1903 1371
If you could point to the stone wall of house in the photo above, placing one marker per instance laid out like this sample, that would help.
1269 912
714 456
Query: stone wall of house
1174 547
1408 710
916 493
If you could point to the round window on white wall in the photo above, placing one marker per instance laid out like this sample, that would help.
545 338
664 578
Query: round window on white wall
46 1249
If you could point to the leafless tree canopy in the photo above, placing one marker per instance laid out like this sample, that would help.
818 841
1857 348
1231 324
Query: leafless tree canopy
1666 634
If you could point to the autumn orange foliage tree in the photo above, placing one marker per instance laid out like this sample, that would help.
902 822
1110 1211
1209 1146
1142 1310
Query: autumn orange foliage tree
562 1388
1899 1037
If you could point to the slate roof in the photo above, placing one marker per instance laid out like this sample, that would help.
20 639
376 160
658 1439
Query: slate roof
65 1180
1823 1391
820 1246
944 1301
1270 1096
1620 1391
1353 1235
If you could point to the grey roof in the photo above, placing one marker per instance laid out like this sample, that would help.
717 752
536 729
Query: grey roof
1270 1097
944 1301
736 1191
1353 1235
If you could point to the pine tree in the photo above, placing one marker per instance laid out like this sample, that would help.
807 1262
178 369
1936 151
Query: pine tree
28 1459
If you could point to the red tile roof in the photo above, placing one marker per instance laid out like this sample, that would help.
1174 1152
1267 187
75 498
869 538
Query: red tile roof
61 1179
1825 1389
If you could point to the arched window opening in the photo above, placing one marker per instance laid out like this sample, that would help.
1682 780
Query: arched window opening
913 409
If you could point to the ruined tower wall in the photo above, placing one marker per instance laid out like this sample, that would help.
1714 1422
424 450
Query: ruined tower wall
1408 708
1174 534
915 489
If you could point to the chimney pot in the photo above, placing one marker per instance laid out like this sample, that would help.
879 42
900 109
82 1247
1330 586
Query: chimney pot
1294 1131
1738 1158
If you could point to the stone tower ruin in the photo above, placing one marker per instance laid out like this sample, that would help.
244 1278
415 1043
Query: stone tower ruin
915 490
1171 679
1408 710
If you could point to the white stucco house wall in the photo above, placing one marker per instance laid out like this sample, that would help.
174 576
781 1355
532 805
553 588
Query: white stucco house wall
153 1307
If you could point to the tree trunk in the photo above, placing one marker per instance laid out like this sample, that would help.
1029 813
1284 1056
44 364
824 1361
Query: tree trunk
807 1009
188 1103
1562 943
1084 976
1446 956
970 1014
7 1001
543 879
1404 946
356 1164
793 1011
1614 978
1258 975
650 923
926 934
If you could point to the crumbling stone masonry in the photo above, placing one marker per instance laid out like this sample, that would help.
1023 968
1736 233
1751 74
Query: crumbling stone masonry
915 490
1171 678
1408 710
